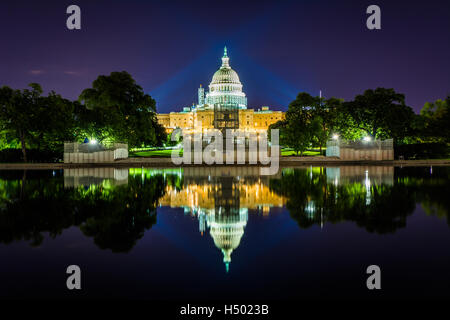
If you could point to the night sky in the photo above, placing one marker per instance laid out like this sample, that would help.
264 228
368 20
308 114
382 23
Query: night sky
278 48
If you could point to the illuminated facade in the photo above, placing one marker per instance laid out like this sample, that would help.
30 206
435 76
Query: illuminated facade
194 196
225 91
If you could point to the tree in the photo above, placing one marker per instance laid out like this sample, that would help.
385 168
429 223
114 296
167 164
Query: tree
381 113
319 119
19 112
174 138
35 120
281 127
436 120
345 126
119 108
325 112
300 127
91 123
55 122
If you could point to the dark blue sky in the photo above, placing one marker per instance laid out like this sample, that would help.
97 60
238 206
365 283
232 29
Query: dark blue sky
278 48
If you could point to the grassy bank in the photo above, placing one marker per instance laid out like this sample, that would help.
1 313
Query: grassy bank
286 152
153 153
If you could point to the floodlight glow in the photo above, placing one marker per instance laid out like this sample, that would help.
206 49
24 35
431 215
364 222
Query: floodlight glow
93 141
335 136
367 139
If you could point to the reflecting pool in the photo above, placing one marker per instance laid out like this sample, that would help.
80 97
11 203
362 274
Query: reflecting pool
226 232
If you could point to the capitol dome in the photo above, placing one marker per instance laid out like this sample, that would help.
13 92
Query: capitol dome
225 74
225 88
227 231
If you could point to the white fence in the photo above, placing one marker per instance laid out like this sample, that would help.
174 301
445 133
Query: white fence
94 176
88 153
361 150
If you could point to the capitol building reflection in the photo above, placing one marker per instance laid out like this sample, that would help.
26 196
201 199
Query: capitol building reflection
220 198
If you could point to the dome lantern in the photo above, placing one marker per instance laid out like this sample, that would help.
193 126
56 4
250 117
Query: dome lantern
225 59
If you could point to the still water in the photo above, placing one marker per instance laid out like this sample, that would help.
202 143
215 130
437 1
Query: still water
226 232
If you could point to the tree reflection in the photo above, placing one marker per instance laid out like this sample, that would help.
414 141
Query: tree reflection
118 218
115 216
430 186
378 207
34 204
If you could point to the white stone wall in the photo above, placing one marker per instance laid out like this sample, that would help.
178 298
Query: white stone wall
72 155
348 150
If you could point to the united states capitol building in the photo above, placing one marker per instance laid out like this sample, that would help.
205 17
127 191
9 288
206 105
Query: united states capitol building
225 91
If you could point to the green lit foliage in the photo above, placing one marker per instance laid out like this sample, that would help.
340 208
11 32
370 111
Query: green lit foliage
31 204
19 111
312 200
35 121
381 113
174 138
281 127
118 109
430 188
55 123
311 121
115 216
346 127
435 123
326 114
8 140
300 127
123 214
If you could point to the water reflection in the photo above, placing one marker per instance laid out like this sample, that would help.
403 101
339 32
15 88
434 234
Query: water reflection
220 198
115 207
115 215
365 195
94 176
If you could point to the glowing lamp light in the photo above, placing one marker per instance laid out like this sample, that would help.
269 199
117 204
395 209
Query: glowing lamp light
367 139
335 136
93 141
